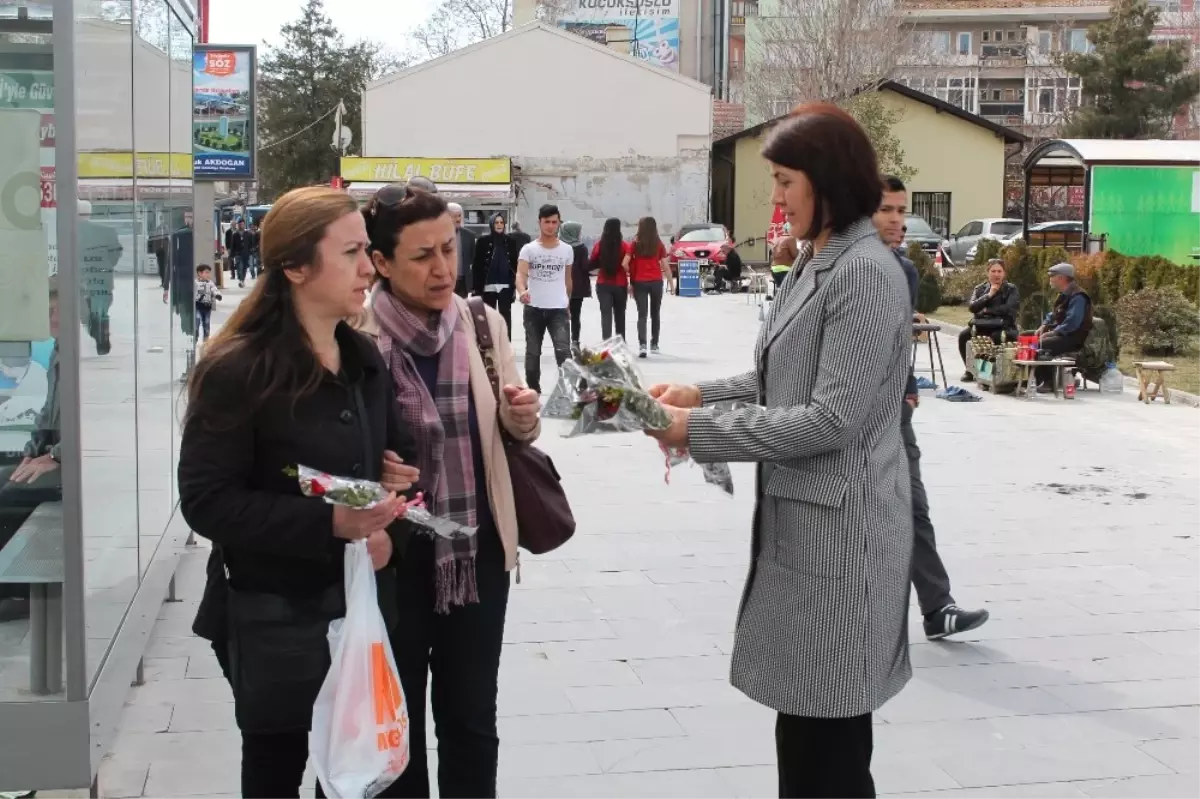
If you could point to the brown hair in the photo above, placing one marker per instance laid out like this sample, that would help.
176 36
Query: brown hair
834 153
263 343
646 243
394 208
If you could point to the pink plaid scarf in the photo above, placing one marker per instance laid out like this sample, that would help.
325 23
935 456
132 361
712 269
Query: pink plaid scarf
441 427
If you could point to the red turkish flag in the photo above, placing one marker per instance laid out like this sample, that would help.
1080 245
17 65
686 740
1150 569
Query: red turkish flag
775 229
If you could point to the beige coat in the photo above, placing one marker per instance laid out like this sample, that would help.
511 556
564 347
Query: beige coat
495 462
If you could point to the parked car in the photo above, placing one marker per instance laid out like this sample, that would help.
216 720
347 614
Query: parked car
1064 226
961 247
700 242
917 230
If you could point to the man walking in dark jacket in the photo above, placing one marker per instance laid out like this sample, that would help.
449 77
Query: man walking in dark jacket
942 617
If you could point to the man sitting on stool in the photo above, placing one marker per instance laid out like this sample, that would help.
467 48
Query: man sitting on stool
1066 327
730 271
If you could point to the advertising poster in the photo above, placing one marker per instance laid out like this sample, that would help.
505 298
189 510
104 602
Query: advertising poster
34 89
1146 210
647 29
223 132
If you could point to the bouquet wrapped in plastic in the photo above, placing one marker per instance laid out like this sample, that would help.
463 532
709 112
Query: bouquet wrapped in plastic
602 391
366 494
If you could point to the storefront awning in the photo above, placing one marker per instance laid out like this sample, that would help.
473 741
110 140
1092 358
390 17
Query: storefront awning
501 193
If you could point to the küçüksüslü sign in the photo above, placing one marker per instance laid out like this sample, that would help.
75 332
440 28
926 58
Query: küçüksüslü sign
591 10
224 135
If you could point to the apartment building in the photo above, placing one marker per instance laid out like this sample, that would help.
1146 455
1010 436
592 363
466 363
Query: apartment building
998 58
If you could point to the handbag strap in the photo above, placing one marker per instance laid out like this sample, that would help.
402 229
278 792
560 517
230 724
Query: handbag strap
364 423
483 338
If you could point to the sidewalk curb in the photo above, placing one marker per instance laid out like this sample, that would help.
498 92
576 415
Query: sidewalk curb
1182 397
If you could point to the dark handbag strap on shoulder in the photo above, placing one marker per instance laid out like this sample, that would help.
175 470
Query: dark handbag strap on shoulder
544 518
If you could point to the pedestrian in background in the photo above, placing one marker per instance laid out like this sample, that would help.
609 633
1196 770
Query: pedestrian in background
494 270
235 246
648 270
610 260
466 250
581 278
453 595
286 382
822 631
519 236
544 287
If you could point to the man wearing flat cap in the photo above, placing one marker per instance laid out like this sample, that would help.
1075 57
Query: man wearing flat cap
1066 327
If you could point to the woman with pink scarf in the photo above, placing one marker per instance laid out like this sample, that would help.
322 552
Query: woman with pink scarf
452 595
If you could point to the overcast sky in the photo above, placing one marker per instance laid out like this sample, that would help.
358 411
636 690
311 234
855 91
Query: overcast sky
256 21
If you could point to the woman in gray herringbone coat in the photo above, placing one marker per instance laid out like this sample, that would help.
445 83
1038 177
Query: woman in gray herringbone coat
821 632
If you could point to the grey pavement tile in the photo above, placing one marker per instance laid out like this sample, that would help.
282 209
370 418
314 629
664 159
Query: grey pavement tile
924 702
634 602
684 624
164 668
119 781
1102 726
136 748
1071 647
685 784
1184 643
1116 695
1181 754
203 717
742 718
973 737
586 727
915 772
146 718
213 689
548 760
946 653
687 669
171 647
530 672
1066 761
751 782
204 667
1059 626
633 697
634 648
531 701
699 574
693 752
578 577
1150 667
1167 786
1035 790
193 773
1181 600
539 631
561 604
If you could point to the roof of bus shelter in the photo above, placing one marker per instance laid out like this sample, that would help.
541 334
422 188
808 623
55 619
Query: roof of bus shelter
1114 152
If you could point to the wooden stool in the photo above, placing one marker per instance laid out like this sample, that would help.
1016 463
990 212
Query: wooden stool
1156 371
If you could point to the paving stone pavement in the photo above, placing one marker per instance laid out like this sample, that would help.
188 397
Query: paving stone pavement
1074 522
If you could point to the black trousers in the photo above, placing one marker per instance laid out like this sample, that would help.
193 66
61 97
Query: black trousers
576 323
462 651
613 300
502 301
929 576
272 763
1056 345
824 758
538 322
648 293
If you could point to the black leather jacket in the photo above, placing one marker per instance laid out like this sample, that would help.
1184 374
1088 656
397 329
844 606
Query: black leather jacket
1002 306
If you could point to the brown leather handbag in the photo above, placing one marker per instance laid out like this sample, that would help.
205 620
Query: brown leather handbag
544 518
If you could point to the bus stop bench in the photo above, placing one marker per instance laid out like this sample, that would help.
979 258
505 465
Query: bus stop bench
34 557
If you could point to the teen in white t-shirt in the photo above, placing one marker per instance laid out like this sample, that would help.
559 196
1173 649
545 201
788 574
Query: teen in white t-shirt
544 286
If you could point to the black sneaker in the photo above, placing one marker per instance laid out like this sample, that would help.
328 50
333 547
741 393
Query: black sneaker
654 349
967 378
642 351
953 619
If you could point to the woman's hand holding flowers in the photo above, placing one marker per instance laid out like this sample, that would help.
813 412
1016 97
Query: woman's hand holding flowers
675 436
397 475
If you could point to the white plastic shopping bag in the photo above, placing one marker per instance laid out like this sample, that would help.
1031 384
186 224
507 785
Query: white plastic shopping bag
359 737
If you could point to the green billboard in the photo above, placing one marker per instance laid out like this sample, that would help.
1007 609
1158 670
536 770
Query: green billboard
1148 210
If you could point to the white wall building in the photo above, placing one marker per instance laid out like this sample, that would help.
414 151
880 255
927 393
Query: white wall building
596 132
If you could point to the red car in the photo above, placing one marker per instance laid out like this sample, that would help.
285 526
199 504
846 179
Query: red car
699 242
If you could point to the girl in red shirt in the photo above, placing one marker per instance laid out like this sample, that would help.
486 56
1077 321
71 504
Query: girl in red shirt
610 259
648 269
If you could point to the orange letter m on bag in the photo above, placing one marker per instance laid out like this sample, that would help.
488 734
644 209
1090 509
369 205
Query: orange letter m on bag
386 690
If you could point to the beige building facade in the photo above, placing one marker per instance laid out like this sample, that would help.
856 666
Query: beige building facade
959 158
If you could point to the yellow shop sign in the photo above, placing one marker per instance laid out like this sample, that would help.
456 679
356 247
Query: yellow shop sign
439 170
149 165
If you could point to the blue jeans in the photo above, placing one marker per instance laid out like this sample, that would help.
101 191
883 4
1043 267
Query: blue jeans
203 321
241 261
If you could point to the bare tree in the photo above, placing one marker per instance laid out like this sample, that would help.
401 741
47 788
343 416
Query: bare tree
458 23
821 50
